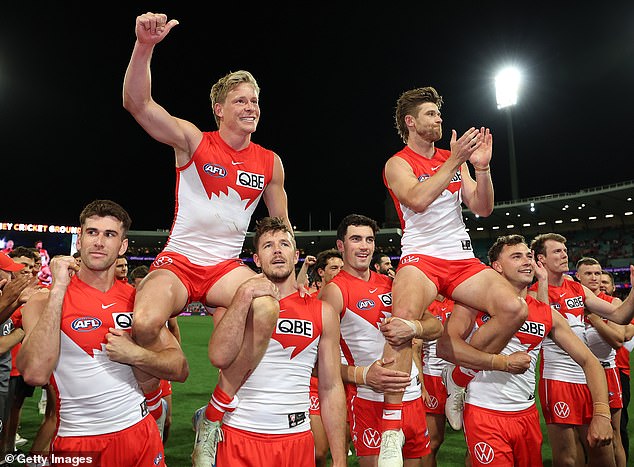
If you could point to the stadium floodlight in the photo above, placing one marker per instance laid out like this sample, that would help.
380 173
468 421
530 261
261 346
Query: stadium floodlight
507 83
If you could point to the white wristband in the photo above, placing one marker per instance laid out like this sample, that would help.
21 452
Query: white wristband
365 373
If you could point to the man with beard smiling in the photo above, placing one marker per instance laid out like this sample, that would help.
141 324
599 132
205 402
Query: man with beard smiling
271 425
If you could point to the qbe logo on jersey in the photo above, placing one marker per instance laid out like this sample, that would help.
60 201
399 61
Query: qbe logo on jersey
122 320
250 180
574 302
386 299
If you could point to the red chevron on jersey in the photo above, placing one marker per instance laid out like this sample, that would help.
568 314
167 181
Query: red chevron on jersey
89 314
299 323
424 168
441 309
370 300
224 171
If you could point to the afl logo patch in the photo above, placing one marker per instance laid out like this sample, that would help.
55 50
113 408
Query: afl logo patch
365 304
86 324
215 170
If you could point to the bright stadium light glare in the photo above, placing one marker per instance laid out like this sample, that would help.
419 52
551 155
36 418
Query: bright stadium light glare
507 84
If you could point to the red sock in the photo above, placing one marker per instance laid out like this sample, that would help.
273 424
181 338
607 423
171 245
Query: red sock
463 376
220 403
392 416
154 404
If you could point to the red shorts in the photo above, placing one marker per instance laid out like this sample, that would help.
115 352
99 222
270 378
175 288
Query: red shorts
315 408
615 393
197 279
366 428
314 397
437 394
139 445
444 273
503 438
565 403
241 448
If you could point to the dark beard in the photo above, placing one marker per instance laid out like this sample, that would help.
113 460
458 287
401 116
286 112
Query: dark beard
279 276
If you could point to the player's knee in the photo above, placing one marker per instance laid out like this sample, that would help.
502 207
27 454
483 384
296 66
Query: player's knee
435 443
514 311
321 455
146 329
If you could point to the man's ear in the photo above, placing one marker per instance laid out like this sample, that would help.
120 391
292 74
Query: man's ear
340 246
496 266
256 260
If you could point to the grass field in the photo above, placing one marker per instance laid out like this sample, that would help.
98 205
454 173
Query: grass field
195 392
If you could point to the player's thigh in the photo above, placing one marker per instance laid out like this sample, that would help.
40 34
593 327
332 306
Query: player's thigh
488 290
221 293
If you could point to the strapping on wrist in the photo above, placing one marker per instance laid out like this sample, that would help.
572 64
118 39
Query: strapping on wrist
499 362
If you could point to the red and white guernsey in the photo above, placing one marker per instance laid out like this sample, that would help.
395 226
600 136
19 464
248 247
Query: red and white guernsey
439 231
216 194
433 365
498 390
365 305
569 300
94 394
275 397
598 345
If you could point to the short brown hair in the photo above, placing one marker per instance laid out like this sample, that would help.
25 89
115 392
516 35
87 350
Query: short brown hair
356 220
501 242
105 208
269 224
537 245
408 104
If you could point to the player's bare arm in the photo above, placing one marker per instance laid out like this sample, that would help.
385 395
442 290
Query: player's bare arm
398 331
169 363
183 136
478 195
452 346
226 340
600 429
331 393
41 321
621 314
275 197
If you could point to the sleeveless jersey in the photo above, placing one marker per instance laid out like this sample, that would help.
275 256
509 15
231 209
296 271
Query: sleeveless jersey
499 390
275 397
216 194
598 345
439 231
433 365
569 301
365 305
94 394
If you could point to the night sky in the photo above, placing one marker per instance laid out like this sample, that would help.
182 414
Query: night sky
329 78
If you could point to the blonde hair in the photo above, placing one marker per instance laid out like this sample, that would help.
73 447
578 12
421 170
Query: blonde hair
226 84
